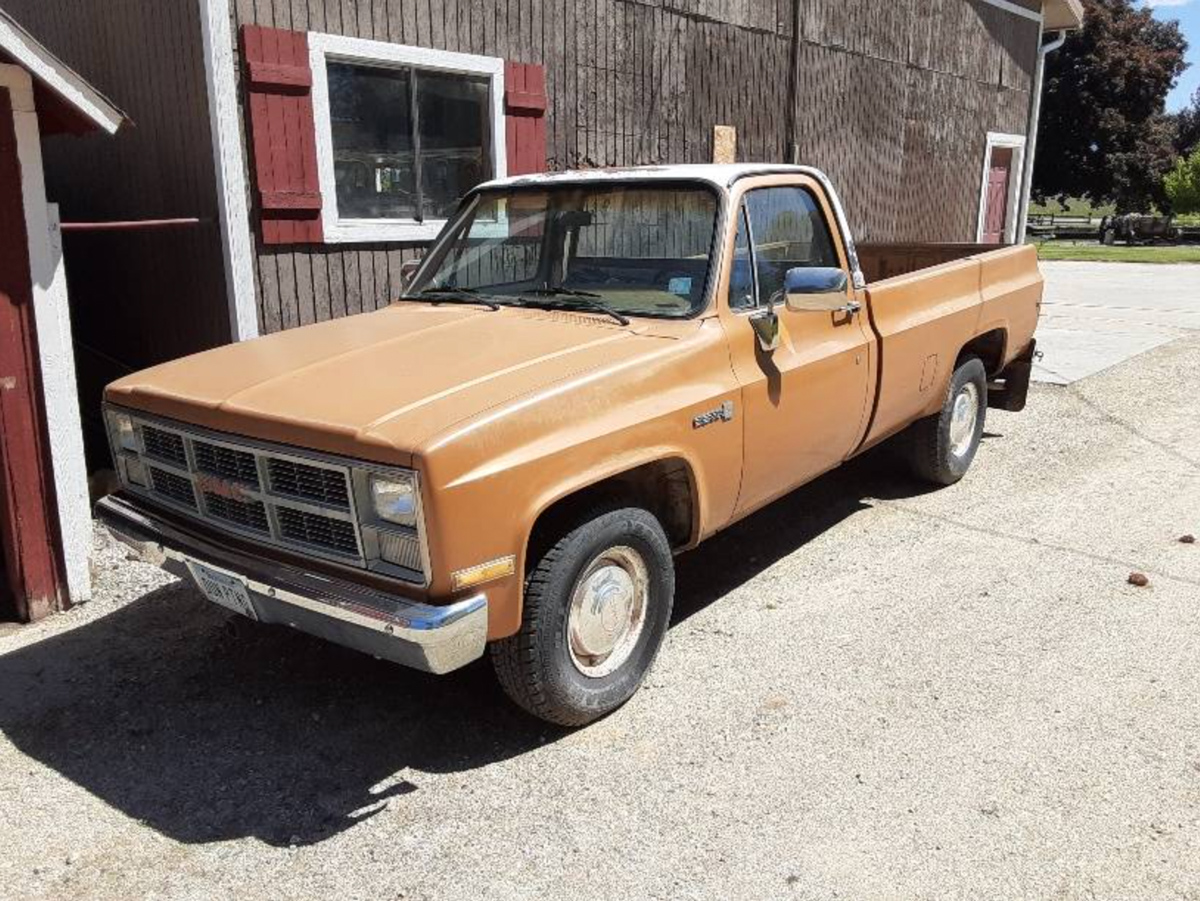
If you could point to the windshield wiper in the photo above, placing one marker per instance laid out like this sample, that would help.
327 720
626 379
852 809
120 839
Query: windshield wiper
565 292
457 295
584 302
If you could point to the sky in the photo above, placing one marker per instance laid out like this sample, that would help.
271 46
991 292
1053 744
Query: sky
1188 14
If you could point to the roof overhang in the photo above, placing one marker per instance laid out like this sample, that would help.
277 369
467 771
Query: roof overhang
64 99
1062 15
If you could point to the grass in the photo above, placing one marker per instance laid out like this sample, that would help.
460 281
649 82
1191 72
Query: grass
1099 253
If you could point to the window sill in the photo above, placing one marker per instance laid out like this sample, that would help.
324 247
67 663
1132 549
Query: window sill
373 231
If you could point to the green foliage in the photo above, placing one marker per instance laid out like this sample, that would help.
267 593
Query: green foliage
1104 132
1187 127
1099 253
1182 184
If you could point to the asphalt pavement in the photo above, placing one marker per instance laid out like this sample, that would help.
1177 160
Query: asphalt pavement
870 690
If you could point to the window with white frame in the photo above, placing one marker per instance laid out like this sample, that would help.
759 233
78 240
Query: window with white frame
402 134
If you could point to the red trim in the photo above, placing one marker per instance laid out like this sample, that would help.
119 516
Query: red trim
27 517
525 120
283 134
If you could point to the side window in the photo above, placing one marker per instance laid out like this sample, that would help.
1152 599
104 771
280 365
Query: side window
741 276
789 230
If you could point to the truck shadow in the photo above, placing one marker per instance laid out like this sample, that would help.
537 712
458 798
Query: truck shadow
745 549
207 733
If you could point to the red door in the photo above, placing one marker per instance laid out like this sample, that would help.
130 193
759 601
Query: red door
995 211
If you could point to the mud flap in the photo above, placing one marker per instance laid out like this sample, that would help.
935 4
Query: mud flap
1009 390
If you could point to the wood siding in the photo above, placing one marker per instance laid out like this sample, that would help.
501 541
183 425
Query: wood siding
895 101
137 297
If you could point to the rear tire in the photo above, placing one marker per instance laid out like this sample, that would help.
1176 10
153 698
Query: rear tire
940 448
596 608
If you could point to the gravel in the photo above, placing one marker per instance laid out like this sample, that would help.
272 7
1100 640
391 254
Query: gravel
870 690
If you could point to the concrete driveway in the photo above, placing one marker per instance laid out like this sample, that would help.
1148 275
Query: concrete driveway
870 691
1097 314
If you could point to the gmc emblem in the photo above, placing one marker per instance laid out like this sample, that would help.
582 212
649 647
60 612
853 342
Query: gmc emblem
210 484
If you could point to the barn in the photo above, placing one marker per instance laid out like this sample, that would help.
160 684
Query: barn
299 153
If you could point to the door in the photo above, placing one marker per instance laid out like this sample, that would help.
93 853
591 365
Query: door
805 402
996 197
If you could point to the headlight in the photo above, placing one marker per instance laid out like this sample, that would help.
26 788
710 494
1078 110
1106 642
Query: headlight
395 499
124 435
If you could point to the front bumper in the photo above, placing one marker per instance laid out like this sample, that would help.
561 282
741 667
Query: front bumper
432 638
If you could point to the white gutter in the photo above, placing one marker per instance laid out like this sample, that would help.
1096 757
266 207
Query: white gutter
1035 117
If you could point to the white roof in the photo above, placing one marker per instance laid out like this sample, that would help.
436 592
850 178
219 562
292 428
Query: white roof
52 72
721 175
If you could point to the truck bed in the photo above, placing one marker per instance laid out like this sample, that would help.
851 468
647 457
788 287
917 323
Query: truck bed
927 301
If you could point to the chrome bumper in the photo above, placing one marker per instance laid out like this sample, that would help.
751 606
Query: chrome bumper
422 636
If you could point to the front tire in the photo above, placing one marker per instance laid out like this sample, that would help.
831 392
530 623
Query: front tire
941 447
596 608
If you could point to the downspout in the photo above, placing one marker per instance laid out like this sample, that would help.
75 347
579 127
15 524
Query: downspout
1035 116
793 140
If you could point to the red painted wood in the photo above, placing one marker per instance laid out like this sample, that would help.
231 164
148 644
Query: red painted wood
525 117
995 215
279 76
130 224
283 134
31 569
298 201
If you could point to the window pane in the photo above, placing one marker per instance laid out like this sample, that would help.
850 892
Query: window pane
372 142
789 232
455 126
741 278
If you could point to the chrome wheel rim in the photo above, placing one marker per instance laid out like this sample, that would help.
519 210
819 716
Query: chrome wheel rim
963 417
608 611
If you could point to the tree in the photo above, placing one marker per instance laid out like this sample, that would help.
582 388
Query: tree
1104 132
1187 126
1182 184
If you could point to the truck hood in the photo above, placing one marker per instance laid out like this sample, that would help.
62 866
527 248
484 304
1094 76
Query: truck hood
378 385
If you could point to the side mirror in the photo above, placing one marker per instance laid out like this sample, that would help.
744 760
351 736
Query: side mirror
815 290
766 328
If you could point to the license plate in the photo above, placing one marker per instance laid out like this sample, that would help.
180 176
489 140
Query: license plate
228 591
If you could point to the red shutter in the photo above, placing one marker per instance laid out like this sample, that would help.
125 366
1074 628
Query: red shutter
283 136
525 119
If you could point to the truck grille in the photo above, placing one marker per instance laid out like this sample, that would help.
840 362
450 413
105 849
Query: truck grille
176 487
238 466
248 514
309 528
166 446
311 483
298 502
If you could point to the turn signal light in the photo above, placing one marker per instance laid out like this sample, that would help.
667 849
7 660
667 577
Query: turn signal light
484 572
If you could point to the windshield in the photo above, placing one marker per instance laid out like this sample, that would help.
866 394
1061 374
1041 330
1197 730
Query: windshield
632 250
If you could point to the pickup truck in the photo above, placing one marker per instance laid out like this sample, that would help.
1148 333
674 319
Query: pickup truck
588 374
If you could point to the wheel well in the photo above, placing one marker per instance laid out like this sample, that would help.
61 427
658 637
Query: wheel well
664 487
989 347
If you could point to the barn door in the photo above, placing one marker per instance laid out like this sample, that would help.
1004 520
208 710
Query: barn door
996 198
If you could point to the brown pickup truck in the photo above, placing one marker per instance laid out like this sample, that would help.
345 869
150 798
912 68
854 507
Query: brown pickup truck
588 374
